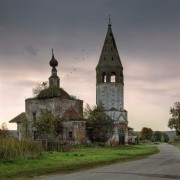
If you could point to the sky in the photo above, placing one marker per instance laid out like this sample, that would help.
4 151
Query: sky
147 34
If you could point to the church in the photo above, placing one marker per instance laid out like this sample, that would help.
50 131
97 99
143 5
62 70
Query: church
60 103
109 94
110 88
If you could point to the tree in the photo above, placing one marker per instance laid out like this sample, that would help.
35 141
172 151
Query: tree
25 128
4 130
49 126
99 125
174 121
165 137
39 87
157 136
58 126
146 133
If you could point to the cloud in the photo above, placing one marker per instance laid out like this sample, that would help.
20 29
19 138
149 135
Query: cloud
31 50
146 33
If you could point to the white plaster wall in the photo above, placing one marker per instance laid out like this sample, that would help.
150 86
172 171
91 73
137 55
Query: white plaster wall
110 95
119 116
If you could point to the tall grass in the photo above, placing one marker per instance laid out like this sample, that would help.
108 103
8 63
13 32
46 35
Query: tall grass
13 148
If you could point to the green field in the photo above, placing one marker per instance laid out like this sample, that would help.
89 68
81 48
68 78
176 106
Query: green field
77 159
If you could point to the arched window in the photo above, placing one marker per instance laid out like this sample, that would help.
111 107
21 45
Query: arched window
113 77
104 77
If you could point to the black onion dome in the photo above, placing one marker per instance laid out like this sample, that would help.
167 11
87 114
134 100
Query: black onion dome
53 62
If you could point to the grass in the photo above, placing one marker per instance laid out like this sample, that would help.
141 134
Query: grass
51 162
12 148
177 144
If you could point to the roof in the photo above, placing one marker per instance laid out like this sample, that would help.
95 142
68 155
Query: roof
18 118
53 92
109 55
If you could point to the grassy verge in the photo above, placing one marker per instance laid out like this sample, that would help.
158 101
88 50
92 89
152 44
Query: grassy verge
177 144
75 160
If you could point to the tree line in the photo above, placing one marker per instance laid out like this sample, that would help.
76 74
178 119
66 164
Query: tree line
154 136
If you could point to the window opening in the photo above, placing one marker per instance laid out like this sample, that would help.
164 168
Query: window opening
34 117
113 77
104 77
70 135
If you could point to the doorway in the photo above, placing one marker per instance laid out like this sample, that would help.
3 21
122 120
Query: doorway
121 139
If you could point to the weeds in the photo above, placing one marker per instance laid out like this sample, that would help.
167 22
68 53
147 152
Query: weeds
13 148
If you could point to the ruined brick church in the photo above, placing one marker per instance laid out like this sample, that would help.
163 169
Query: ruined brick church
109 94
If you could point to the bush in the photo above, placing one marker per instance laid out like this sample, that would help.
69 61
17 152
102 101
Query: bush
13 148
165 137
157 136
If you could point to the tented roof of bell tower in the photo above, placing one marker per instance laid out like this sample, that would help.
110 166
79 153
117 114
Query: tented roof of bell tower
109 55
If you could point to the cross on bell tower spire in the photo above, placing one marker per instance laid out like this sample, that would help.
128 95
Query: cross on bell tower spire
109 22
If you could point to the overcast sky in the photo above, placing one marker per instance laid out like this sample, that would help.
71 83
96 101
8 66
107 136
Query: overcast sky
147 34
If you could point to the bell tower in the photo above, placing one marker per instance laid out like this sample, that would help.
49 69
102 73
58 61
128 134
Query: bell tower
110 87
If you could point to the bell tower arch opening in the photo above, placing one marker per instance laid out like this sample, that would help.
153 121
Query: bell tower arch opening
113 77
104 77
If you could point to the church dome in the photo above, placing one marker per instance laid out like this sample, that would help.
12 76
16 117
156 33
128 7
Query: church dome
53 62
52 93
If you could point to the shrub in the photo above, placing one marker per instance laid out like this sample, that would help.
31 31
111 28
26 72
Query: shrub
13 148
165 137
157 136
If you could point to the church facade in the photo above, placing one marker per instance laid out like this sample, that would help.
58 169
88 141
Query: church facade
110 88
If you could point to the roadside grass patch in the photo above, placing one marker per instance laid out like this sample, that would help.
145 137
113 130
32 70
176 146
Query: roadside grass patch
77 159
177 144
